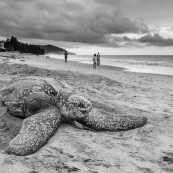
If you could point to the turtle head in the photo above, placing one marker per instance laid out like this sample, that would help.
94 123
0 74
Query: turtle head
75 108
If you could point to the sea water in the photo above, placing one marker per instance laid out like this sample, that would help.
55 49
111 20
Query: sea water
156 64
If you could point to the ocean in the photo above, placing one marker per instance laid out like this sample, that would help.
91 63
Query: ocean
155 64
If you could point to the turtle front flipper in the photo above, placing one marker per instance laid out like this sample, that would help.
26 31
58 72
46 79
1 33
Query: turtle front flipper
103 121
36 131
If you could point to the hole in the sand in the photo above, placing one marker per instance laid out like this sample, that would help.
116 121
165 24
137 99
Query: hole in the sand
7 132
169 160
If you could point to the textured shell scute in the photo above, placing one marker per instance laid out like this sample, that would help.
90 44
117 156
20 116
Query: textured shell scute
15 94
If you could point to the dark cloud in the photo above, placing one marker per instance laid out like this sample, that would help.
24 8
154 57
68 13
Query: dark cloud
153 11
66 20
120 41
156 40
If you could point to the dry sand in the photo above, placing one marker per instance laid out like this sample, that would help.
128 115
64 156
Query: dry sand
145 150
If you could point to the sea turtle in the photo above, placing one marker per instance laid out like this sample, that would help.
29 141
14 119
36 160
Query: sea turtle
44 105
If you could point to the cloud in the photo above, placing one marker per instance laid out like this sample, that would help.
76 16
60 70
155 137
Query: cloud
129 40
67 20
103 22
156 40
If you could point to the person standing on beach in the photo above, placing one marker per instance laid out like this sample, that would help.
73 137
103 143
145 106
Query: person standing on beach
98 59
94 61
65 54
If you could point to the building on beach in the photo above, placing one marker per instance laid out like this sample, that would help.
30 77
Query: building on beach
2 49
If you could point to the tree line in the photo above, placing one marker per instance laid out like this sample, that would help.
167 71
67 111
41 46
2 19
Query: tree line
13 44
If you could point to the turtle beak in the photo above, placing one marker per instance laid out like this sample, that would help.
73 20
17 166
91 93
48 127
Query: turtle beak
2 103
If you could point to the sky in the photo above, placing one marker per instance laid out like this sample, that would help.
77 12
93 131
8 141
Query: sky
120 27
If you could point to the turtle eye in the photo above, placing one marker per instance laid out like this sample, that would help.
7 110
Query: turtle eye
3 103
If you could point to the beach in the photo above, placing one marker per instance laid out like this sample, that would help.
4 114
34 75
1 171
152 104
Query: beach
115 89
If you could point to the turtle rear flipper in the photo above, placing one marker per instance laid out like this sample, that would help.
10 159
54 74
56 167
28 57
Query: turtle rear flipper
36 131
103 121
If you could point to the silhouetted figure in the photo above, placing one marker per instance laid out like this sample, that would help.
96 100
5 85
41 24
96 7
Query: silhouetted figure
65 54
98 59
94 61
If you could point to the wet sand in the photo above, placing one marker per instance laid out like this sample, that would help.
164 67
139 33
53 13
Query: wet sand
144 150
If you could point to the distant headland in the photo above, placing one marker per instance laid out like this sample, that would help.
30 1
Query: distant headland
50 49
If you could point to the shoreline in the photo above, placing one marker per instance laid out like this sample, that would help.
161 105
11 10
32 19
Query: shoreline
138 66
50 63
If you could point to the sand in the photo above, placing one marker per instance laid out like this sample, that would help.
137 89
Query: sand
145 150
